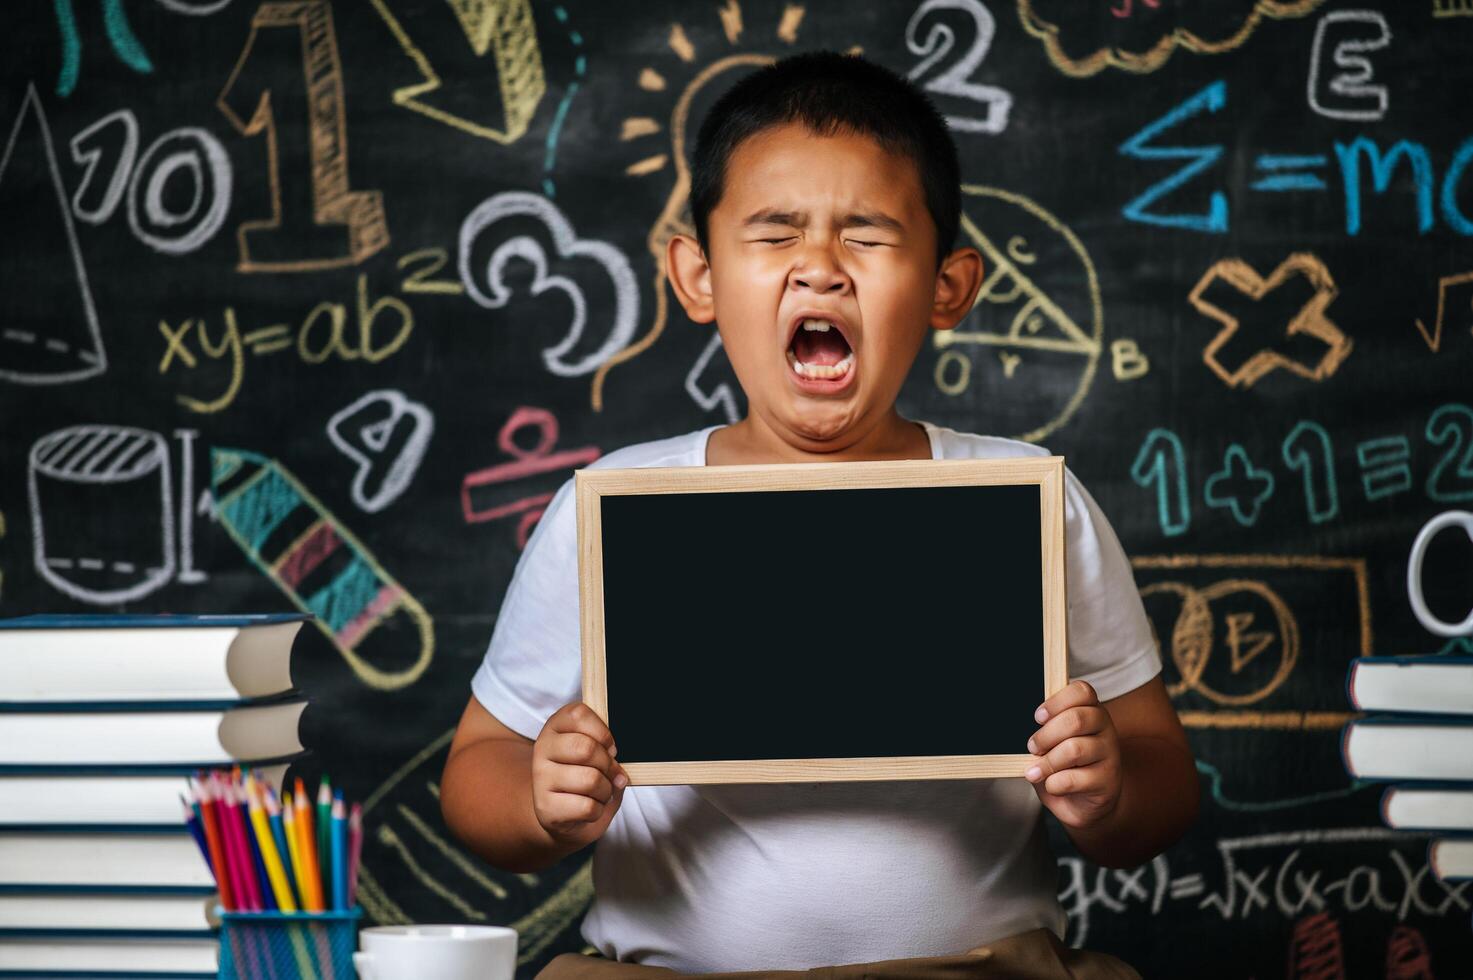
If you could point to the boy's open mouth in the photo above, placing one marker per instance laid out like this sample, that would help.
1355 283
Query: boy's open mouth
819 350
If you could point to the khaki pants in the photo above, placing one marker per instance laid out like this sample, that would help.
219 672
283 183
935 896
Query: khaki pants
1034 955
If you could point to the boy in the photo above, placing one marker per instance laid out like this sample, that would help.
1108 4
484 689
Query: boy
825 197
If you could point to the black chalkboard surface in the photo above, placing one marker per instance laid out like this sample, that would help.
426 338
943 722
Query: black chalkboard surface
828 629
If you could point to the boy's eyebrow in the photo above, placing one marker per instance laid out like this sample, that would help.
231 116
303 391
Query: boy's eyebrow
797 219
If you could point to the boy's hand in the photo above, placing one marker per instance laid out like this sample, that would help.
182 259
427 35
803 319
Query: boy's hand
1079 775
576 784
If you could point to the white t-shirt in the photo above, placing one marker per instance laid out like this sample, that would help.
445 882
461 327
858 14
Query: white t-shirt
800 875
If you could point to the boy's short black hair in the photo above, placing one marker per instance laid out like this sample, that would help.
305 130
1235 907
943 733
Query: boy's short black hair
831 93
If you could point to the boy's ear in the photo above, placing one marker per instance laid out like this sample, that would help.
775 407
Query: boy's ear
957 283
690 277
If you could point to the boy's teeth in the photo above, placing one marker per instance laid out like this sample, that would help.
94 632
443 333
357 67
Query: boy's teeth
821 326
822 371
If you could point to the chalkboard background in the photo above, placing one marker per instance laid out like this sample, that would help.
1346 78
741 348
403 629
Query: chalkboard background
1249 338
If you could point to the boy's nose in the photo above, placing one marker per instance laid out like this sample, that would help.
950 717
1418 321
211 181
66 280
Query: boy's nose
821 277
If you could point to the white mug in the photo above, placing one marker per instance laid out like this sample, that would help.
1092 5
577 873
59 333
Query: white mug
424 952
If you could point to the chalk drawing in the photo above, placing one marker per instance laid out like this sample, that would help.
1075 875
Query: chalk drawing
1061 327
1308 451
326 225
385 434
1385 466
188 509
1162 462
94 470
956 79
1143 146
1434 336
1127 362
1353 74
1310 320
1239 486
525 463
322 568
1041 21
568 249
1425 616
199 154
1233 615
723 394
57 349
88 148
503 27
115 21
1451 425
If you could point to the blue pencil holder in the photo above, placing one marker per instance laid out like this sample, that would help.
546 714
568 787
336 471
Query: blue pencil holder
288 945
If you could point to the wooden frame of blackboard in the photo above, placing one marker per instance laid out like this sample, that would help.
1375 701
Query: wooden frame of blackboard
592 485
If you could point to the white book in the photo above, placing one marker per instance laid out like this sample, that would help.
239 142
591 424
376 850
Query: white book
105 798
1451 858
146 658
119 859
1428 808
183 912
1397 748
143 956
1438 684
163 738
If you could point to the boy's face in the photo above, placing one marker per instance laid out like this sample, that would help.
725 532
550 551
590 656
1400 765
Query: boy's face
811 231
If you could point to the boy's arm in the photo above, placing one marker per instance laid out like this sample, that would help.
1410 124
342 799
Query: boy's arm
1119 776
525 805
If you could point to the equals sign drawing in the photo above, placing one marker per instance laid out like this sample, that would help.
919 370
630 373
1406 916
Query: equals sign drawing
1289 173
1187 886
268 340
1384 469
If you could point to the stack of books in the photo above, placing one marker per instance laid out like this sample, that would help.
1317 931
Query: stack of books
102 721
1419 733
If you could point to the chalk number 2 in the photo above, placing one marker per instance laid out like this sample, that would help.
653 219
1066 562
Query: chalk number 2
955 79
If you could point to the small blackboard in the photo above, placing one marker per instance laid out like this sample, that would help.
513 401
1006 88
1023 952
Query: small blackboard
827 621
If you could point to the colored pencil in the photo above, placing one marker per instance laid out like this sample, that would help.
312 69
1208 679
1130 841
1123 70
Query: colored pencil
294 850
249 883
309 845
219 861
324 834
195 831
275 873
339 854
264 888
278 834
355 850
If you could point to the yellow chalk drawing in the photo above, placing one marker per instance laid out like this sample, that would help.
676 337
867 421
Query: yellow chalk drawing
1155 56
1192 641
409 835
246 101
1434 338
1127 361
1452 8
503 27
1034 319
1310 320
675 216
